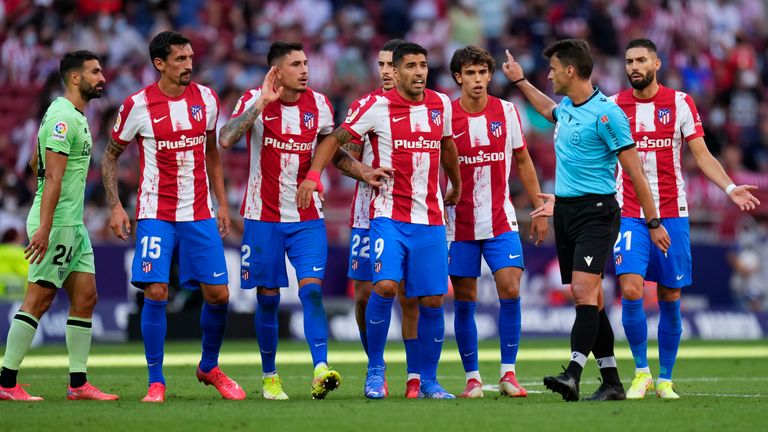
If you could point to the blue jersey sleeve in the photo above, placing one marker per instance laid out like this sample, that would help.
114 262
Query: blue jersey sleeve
613 128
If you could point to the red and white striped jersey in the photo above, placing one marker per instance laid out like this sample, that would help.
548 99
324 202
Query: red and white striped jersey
171 133
407 137
281 143
485 142
658 126
360 214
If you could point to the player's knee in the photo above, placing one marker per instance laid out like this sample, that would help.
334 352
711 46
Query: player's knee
669 294
156 292
219 296
85 303
386 288
584 293
431 301
37 305
311 293
510 290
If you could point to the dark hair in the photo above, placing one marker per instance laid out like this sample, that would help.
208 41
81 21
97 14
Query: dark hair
572 52
470 55
405 49
391 45
642 43
74 60
282 48
160 46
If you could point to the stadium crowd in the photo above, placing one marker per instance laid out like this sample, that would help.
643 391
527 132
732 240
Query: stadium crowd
715 50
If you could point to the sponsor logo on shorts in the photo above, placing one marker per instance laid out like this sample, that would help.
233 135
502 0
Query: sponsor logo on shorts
146 266
377 266
62 272
588 259
244 274
618 259
355 264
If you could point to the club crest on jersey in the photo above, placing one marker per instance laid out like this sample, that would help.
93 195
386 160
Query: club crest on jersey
664 115
435 116
146 266
495 127
197 112
309 120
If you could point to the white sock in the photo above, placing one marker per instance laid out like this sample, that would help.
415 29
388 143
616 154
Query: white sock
413 376
661 380
579 358
643 370
507 367
270 374
475 375
321 364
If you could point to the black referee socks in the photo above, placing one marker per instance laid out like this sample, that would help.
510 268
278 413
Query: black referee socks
583 336
603 351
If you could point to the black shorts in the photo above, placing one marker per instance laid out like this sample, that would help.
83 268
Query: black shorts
585 230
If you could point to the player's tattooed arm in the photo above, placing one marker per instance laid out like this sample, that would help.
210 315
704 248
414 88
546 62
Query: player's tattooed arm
235 128
354 148
119 222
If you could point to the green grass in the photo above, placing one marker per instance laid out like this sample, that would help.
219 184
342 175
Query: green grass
717 394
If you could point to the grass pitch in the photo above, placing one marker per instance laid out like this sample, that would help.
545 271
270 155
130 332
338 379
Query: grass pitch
722 387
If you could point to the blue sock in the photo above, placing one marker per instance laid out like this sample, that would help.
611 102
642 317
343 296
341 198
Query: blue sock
213 321
670 329
364 340
315 322
510 323
266 330
378 313
636 330
431 334
411 356
466 333
153 329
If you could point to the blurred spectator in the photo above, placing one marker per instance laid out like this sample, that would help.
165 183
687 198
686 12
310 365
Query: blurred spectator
749 281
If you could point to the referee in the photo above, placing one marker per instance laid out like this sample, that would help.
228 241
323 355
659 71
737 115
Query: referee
591 133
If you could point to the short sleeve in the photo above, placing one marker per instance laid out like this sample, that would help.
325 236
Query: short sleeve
212 108
363 118
325 112
127 124
690 121
246 101
514 127
58 134
613 128
447 117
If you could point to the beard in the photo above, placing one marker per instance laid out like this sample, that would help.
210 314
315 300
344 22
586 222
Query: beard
89 92
645 82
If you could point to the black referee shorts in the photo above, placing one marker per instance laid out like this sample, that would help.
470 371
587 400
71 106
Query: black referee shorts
585 230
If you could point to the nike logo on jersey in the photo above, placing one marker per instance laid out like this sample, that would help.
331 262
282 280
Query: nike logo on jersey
268 118
397 119
375 322
218 274
458 135
588 259
158 120
317 268
513 256
680 277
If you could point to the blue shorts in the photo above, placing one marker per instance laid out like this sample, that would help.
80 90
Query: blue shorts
196 245
359 255
265 244
634 252
501 251
414 252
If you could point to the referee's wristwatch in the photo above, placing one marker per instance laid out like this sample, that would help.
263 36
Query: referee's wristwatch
653 223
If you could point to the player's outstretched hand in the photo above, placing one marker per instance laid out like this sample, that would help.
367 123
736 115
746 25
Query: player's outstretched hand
269 92
305 191
452 196
38 245
547 209
660 237
375 176
120 224
539 230
223 221
512 69
742 197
